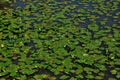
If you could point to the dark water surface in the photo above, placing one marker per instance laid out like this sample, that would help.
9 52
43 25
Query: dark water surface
87 5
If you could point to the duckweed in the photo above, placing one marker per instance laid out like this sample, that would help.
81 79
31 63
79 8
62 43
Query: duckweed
60 40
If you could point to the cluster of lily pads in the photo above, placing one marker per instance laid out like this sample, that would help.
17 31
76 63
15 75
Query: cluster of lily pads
60 40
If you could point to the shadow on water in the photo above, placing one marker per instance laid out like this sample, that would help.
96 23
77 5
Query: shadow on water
4 5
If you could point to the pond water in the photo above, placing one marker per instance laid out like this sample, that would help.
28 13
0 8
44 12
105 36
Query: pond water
60 39
88 6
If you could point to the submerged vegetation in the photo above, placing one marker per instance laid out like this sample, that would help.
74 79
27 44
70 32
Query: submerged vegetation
60 40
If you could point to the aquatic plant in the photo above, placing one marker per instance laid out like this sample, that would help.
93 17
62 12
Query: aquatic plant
60 40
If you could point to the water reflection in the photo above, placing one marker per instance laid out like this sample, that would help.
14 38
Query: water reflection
20 3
